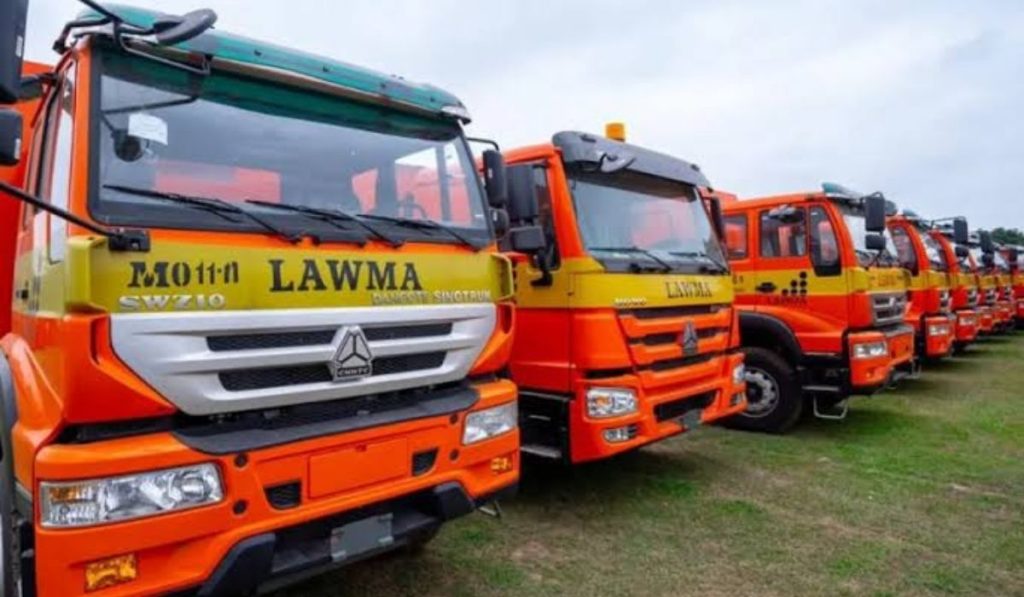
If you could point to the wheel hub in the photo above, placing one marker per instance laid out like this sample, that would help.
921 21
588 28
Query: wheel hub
762 393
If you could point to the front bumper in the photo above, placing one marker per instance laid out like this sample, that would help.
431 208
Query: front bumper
666 407
986 319
1004 315
967 322
867 375
415 470
939 344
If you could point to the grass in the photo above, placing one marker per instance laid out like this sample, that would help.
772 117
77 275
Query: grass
919 492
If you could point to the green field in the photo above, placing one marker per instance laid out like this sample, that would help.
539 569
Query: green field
919 491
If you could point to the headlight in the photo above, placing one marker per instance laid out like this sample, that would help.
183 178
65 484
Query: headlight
610 402
938 329
739 373
98 501
490 422
870 350
968 320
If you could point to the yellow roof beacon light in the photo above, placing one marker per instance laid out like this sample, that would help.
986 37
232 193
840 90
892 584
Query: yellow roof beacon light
615 131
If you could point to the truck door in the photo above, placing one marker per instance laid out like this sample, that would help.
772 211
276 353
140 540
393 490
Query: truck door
799 275
40 235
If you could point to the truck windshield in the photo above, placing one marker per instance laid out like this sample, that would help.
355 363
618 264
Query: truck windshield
267 147
936 256
856 225
644 223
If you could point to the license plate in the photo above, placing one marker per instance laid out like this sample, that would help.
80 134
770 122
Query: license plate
361 537
691 420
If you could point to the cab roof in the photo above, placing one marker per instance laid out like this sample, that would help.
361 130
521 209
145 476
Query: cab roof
377 86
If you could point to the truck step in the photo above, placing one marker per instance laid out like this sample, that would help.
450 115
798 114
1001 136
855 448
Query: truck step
823 389
541 451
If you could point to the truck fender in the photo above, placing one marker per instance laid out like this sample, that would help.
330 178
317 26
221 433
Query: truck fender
758 329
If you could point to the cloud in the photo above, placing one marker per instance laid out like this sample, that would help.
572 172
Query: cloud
920 100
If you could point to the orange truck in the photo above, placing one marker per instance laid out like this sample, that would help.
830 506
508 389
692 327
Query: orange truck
248 338
964 289
1012 255
995 311
626 333
822 303
930 309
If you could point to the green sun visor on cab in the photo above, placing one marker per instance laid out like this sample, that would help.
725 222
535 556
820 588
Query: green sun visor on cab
378 87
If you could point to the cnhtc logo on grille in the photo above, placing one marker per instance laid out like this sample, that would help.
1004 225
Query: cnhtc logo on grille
353 359
689 340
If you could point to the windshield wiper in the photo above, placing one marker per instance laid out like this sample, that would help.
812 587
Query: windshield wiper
666 266
720 267
331 216
210 204
425 224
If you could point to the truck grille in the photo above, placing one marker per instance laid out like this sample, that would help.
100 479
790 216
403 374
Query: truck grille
218 362
889 307
991 295
972 297
658 342
945 301
678 408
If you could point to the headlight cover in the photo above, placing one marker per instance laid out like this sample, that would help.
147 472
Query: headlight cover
490 422
870 350
938 329
67 504
603 403
739 373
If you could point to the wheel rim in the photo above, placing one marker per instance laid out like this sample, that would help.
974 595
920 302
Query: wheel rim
762 393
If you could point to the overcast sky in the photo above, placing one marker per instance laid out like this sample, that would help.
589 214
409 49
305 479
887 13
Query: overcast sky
922 100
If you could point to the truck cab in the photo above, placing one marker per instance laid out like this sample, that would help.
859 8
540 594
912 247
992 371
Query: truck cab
995 313
964 289
258 316
1013 256
626 331
822 301
930 309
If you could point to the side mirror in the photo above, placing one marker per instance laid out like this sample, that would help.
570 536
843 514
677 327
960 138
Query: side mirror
988 260
523 206
527 239
172 29
960 232
495 178
715 207
961 251
12 48
874 213
10 137
985 239
874 241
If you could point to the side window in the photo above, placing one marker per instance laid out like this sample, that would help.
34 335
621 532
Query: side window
736 236
54 171
783 237
904 248
824 247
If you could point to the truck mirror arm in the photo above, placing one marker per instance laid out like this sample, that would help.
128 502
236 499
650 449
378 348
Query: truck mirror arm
119 239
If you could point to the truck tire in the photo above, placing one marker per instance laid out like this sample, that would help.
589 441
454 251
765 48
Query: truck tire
9 579
775 401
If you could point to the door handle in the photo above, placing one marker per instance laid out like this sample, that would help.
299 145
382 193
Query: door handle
765 287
